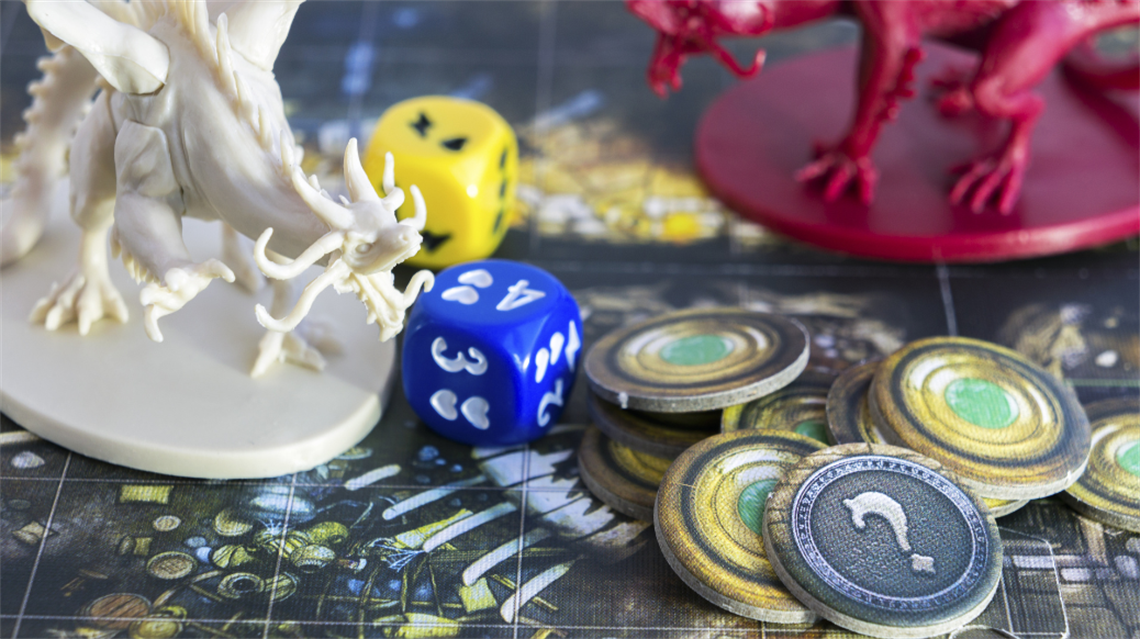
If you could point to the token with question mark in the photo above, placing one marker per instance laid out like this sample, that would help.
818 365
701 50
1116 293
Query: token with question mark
882 540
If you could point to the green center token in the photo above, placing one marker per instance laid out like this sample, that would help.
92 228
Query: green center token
981 403
696 360
751 504
696 350
1006 427
883 541
709 515
1129 458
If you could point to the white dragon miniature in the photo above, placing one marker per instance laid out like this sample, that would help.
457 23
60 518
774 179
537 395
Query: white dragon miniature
190 123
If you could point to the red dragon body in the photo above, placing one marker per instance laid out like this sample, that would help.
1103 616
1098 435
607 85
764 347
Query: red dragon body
1019 43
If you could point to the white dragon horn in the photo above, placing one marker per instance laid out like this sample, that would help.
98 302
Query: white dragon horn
394 199
287 271
333 274
360 188
419 219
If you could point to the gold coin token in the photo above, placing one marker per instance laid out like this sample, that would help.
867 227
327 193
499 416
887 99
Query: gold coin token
850 422
1004 425
624 479
882 540
708 520
1109 491
697 360
800 407
640 431
171 565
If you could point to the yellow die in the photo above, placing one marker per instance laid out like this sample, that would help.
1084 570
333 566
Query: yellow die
464 158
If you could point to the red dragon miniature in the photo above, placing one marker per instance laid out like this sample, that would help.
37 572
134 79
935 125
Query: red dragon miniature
1019 42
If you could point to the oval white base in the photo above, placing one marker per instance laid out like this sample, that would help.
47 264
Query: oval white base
186 406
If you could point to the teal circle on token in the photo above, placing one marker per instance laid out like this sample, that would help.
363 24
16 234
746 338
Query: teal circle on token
981 403
1129 458
750 506
696 350
883 541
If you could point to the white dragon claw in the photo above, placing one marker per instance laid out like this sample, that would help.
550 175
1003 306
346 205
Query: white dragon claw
84 299
287 348
181 285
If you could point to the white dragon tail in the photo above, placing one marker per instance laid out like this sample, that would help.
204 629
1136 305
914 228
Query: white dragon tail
60 100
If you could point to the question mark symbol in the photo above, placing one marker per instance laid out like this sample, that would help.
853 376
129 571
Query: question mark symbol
875 503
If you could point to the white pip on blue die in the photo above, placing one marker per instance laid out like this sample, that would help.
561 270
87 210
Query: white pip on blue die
491 352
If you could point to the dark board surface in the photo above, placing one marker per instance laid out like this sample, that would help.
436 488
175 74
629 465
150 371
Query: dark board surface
609 204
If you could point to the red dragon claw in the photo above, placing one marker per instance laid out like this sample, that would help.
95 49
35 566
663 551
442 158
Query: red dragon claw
842 172
987 179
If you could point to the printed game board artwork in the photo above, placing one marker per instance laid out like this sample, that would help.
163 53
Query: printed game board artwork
411 535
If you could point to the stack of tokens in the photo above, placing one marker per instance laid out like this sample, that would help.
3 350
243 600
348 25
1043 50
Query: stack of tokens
889 531
658 387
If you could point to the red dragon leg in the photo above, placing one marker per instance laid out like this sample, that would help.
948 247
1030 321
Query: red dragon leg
890 53
1026 43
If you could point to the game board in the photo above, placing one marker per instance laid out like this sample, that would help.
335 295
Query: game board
375 543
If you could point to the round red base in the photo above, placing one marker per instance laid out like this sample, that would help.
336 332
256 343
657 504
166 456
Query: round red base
1082 187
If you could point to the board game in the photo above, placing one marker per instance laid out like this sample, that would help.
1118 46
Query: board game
408 534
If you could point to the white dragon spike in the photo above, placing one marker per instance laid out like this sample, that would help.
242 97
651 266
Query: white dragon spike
337 271
264 131
359 186
419 218
315 182
288 270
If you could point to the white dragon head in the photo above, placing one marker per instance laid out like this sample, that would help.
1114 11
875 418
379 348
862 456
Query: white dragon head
365 243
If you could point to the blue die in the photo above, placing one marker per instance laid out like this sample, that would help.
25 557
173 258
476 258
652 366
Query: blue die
490 354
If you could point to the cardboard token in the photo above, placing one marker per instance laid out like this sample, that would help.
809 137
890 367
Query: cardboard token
800 407
640 431
1004 425
697 360
883 541
848 415
1109 491
850 422
708 514
625 479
